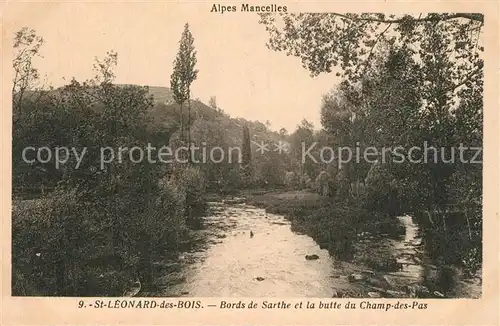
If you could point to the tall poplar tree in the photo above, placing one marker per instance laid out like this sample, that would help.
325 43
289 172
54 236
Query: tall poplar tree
183 75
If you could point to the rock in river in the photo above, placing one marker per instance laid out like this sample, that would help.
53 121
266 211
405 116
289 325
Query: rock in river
355 277
418 291
312 257
438 294
374 295
234 201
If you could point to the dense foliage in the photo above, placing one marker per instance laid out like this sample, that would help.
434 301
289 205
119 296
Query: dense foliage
406 81
99 224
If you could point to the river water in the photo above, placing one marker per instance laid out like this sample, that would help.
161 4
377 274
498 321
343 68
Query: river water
229 262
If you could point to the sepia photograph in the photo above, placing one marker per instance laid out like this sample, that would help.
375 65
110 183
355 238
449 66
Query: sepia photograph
245 150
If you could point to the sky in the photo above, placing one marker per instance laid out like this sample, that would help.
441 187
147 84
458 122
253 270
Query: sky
248 80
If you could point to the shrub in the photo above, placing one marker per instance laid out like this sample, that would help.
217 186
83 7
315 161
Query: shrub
190 182
52 238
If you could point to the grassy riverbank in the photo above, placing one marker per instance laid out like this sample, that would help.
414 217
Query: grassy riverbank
334 226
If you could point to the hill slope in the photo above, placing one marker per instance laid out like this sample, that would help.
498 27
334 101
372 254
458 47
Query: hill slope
166 112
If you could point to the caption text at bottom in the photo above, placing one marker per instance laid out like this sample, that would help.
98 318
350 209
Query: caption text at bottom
252 304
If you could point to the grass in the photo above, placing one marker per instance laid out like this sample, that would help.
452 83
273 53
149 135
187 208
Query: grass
333 224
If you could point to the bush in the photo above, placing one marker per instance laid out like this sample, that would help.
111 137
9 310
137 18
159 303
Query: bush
191 184
321 183
53 239
67 244
171 204
381 191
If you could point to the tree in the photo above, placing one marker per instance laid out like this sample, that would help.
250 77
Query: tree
246 150
326 40
246 155
407 73
26 47
406 81
213 102
283 132
179 96
268 124
303 137
183 75
104 68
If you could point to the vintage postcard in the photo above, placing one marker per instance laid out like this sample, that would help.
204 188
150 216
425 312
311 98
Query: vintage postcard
250 163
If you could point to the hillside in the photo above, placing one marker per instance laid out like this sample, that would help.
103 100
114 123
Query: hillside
166 112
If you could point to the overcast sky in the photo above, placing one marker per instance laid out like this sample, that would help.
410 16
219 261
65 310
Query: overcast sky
248 80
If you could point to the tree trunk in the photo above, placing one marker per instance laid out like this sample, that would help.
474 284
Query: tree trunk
468 225
60 277
182 124
430 218
189 126
60 268
145 270
443 216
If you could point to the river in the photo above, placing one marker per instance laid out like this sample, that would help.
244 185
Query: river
230 262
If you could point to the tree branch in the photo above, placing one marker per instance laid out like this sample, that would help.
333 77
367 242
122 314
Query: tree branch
467 78
474 17
376 42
